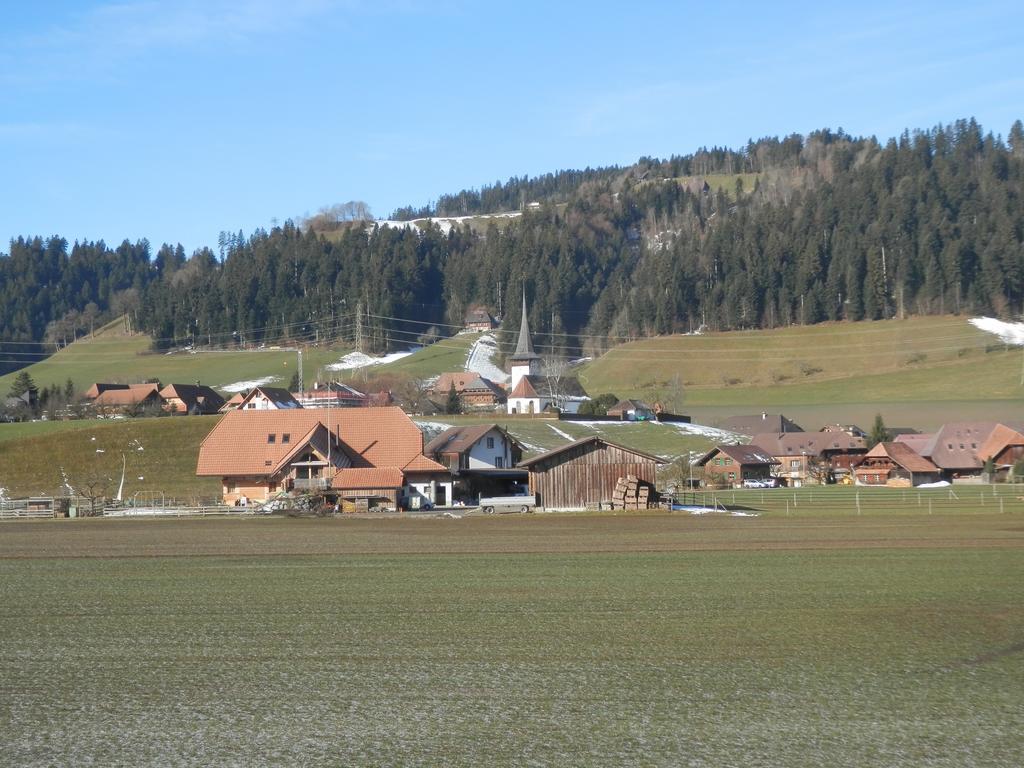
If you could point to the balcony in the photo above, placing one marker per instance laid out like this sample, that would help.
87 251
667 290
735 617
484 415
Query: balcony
311 483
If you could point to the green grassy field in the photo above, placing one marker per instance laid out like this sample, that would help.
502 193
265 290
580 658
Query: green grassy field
890 361
112 355
442 356
35 458
535 640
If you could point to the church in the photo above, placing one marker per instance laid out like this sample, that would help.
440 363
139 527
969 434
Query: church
537 387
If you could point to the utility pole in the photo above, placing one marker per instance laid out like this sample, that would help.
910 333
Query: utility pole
359 326
300 371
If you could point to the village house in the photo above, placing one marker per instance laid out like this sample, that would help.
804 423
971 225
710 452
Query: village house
760 424
956 448
812 458
128 397
193 399
1005 448
474 390
479 319
481 458
632 410
730 465
587 472
368 455
894 464
263 399
332 394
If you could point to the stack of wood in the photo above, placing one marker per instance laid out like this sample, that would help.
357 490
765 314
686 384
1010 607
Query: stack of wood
630 493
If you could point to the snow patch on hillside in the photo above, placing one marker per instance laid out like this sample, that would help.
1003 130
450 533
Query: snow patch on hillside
480 359
445 223
561 433
718 435
1008 333
355 360
245 386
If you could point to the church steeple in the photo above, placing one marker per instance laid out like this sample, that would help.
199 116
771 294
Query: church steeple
524 348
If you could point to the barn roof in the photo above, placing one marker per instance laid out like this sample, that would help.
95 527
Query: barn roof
595 439
362 478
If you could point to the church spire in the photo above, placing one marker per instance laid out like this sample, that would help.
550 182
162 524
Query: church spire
524 348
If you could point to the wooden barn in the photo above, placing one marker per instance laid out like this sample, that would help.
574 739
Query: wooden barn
586 473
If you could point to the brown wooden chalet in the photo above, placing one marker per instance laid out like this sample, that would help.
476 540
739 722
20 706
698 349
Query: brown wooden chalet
812 457
895 464
479 319
474 390
119 398
730 465
586 473
369 454
194 399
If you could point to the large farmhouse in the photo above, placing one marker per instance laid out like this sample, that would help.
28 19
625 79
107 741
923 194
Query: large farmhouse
369 454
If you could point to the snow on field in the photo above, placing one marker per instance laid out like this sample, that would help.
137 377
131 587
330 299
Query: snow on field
718 435
244 386
1008 333
560 433
355 360
480 359
712 511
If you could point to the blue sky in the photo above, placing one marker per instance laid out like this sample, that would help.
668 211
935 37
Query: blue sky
174 121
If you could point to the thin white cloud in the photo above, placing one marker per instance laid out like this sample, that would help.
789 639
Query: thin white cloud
96 42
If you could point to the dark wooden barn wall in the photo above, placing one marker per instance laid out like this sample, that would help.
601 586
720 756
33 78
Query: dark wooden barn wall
585 475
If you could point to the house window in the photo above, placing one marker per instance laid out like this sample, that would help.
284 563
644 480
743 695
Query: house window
272 438
794 463
718 461
286 438
499 462
728 461
490 442
732 475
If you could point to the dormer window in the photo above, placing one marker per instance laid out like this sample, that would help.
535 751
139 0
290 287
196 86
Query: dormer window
271 438
286 438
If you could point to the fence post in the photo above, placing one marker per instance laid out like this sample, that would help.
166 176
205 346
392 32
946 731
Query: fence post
858 502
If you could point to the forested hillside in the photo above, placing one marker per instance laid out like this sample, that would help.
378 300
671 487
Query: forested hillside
782 231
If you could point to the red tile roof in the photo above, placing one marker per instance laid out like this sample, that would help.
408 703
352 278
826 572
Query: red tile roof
1001 437
371 437
903 455
368 477
134 394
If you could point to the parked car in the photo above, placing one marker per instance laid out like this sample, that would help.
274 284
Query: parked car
767 482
